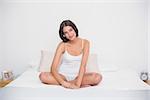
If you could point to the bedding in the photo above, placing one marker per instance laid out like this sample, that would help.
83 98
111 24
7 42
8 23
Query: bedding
123 84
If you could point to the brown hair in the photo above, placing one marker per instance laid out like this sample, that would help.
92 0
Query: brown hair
62 25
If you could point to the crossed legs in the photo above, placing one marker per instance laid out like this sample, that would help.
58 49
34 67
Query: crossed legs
88 78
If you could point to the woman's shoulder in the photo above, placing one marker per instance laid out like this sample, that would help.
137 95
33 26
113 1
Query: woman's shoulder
61 44
61 47
86 41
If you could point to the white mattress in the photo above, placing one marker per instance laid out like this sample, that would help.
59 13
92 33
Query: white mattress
125 79
122 84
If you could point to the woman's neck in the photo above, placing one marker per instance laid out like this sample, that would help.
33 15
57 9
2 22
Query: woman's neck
74 41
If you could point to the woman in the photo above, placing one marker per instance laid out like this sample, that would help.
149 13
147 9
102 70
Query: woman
69 63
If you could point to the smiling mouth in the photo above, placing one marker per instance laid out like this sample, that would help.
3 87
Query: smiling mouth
71 37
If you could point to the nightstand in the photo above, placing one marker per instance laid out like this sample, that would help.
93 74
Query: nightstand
3 83
147 81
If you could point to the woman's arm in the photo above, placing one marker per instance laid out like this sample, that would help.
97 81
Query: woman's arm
83 63
56 62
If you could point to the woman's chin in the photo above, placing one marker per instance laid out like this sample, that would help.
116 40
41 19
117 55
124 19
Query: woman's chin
71 39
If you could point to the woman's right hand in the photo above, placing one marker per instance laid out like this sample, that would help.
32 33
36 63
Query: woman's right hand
65 84
69 85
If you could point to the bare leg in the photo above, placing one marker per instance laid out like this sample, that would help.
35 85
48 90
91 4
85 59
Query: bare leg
48 78
91 79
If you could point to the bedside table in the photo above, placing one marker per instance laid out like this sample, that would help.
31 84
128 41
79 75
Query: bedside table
147 81
3 83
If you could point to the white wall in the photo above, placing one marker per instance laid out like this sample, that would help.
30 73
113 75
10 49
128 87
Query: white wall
117 30
149 37
1 44
0 34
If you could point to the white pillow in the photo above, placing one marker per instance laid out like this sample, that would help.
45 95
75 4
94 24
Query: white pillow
47 58
92 64
46 61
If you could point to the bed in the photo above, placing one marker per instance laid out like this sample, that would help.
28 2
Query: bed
121 84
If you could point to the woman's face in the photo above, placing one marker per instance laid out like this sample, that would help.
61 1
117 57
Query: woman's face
69 32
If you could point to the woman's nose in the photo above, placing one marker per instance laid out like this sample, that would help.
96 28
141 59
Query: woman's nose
69 33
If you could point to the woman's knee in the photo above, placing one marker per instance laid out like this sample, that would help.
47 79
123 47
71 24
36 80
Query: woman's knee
96 78
42 76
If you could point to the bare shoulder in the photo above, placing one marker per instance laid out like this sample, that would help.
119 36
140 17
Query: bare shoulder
61 46
86 42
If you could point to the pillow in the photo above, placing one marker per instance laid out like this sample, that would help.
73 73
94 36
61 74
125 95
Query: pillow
92 64
46 61
47 58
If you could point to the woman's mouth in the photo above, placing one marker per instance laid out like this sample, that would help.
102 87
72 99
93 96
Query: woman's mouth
71 37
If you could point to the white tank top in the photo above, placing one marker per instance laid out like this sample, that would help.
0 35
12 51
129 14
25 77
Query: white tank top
70 64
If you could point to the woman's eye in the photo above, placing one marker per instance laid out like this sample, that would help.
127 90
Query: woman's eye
70 30
65 33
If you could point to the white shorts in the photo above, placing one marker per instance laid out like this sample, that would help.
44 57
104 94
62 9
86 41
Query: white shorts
68 77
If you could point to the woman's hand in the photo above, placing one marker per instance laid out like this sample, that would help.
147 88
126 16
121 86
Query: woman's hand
69 85
74 86
66 84
74 83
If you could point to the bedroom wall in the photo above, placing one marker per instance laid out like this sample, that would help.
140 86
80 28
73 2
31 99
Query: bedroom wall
117 30
0 34
1 44
149 37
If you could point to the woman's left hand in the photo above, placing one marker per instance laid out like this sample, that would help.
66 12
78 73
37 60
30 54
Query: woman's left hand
73 86
73 83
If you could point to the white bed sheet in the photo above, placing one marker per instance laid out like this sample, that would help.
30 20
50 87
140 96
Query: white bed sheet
124 79
123 84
